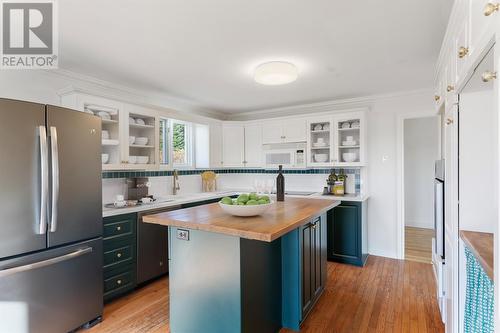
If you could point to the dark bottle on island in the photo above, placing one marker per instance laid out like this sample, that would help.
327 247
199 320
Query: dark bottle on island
280 185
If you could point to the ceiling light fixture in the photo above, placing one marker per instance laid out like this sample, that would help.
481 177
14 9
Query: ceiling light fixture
276 73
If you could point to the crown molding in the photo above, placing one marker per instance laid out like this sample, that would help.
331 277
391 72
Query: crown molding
339 105
97 87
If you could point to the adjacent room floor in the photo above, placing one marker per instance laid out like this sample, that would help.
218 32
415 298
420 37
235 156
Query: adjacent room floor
387 295
418 244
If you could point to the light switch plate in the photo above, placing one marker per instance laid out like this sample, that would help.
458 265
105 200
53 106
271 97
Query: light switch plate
183 234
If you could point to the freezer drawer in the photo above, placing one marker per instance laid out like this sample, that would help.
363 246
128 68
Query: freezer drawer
54 291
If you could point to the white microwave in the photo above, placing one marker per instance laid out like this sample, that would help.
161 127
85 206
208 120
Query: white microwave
289 155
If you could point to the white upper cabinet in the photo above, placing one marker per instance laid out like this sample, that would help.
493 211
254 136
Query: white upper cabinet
482 15
337 141
233 145
320 142
272 132
216 145
349 140
295 130
253 145
284 131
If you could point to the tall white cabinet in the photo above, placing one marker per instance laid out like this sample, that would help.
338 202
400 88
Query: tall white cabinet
242 145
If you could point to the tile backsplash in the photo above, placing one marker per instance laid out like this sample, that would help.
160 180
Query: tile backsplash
190 181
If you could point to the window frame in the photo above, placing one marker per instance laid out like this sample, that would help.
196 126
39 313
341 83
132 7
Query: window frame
167 148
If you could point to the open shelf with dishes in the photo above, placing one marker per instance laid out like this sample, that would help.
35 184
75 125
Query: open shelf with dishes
110 135
349 137
319 142
141 140
336 140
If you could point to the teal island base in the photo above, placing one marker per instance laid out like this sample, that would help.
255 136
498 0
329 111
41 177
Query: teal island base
221 283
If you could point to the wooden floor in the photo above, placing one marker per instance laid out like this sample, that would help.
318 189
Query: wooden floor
418 244
387 295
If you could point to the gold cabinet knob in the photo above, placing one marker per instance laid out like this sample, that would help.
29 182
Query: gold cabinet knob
463 51
450 88
118 281
437 98
118 228
119 255
449 121
490 8
488 76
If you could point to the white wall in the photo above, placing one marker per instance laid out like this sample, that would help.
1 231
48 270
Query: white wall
421 150
382 168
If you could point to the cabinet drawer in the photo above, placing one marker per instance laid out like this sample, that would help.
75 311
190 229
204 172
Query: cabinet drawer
121 281
119 228
118 256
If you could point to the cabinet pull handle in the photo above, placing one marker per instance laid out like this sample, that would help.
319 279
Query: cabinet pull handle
488 76
450 88
463 51
118 228
449 121
437 98
119 255
490 8
118 281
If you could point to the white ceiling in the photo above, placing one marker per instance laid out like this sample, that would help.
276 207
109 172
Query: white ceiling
205 51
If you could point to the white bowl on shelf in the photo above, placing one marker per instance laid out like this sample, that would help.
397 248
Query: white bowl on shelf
349 157
320 158
105 135
104 115
131 140
244 210
105 158
140 121
131 120
141 141
142 159
132 159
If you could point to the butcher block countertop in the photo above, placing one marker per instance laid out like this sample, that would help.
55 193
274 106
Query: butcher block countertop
481 245
278 220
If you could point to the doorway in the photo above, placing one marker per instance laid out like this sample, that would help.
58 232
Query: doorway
421 148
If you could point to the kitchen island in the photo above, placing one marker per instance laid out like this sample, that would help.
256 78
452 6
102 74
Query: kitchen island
245 274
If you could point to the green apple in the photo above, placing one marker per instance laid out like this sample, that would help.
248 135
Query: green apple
227 201
252 202
243 198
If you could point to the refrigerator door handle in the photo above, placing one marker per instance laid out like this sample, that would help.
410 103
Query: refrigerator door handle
54 150
45 263
44 182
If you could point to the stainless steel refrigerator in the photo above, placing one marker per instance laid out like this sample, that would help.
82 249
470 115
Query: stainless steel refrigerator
50 218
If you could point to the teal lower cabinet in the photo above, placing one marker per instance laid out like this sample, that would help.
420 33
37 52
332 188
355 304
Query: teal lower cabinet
119 259
347 233
304 256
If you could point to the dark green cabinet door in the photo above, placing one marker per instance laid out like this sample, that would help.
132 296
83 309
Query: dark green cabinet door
346 230
313 252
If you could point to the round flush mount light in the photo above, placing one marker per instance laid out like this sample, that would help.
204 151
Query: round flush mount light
276 73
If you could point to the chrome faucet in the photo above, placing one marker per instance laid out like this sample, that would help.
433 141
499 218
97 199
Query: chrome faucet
177 187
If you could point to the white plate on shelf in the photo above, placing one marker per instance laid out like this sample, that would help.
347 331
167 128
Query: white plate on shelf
316 144
110 142
349 143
